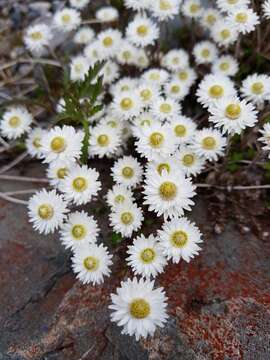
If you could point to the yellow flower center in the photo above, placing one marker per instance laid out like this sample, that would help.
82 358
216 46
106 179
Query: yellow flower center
103 140
36 142
45 211
209 143
179 239
188 159
91 263
36 35
162 167
224 66
216 91
211 19
156 139
119 199
145 122
165 5
66 18
14 121
61 173
78 68
127 218
241 17
165 108
58 144
148 255
183 75
225 34
142 30
175 89
79 184
139 309
175 60
126 55
168 190
155 76
146 94
126 104
127 172
233 111
232 2
78 232
180 130
107 41
205 53
257 88
112 123
125 88
194 8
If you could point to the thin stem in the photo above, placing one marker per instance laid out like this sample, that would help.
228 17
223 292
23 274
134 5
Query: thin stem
30 61
20 192
237 187
23 179
13 163
13 200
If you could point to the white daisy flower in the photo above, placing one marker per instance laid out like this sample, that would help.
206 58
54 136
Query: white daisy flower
192 9
78 230
79 4
138 307
244 20
214 87
91 263
126 219
145 119
127 104
47 211
156 167
209 17
176 89
156 76
104 141
33 142
67 19
186 76
109 40
107 13
265 138
266 9
183 129
233 115
15 122
37 38
179 239
165 108
231 5
119 194
93 52
209 144
164 10
256 88
57 170
190 163
137 5
113 122
84 36
62 143
126 54
148 92
79 67
124 84
205 52
142 60
145 257
225 65
127 171
155 140
223 33
80 185
175 60
142 31
168 194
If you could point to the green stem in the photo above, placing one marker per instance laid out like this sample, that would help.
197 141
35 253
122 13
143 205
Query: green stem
84 156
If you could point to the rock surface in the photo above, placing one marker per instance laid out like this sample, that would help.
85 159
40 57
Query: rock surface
218 304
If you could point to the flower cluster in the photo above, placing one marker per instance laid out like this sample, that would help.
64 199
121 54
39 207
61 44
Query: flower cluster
156 149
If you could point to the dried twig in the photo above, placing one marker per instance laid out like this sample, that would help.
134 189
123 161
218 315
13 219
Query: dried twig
30 61
23 179
12 199
236 187
13 163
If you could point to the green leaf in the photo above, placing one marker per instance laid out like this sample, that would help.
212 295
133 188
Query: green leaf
116 239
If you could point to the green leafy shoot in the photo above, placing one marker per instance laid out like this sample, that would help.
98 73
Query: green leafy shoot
80 102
